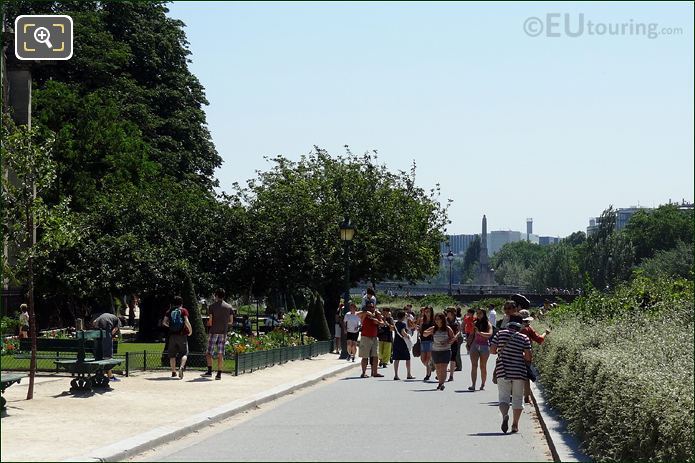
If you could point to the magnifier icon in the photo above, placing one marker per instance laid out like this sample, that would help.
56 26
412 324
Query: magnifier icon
42 35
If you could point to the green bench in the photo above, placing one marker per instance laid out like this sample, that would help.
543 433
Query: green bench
88 372
7 380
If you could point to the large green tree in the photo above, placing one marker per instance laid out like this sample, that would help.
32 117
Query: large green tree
659 229
133 153
295 209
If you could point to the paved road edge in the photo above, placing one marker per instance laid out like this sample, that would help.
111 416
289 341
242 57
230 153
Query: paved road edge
145 441
562 446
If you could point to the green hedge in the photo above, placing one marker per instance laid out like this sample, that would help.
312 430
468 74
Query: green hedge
623 380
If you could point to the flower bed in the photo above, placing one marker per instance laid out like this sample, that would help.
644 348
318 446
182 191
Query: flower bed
622 378
279 337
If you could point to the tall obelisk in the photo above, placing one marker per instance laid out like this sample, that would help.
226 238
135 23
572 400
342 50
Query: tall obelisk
484 275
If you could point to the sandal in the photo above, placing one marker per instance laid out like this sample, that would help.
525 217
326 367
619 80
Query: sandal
363 375
410 377
378 375
451 378
515 429
396 378
482 387
471 388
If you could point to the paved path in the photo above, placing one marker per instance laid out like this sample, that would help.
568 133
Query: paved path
375 419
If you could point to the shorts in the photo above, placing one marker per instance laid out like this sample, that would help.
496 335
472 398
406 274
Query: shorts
337 331
369 347
216 342
352 336
441 356
425 346
480 348
178 344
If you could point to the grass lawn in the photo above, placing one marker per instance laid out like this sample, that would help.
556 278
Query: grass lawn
124 347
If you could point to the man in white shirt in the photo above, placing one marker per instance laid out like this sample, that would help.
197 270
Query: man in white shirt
352 331
492 315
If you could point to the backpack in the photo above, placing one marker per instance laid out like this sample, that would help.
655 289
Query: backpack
175 320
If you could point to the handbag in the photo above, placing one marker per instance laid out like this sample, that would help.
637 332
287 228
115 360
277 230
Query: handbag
417 348
532 372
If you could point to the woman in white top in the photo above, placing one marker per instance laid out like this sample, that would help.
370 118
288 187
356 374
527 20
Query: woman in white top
338 328
352 331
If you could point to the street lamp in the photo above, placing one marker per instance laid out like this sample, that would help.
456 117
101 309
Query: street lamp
347 232
450 258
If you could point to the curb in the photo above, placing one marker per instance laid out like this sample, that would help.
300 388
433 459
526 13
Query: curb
563 446
145 441
546 431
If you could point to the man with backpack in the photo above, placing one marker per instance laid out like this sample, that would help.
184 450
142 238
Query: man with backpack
176 319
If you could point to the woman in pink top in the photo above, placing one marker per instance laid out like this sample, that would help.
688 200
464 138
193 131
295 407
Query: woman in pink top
480 349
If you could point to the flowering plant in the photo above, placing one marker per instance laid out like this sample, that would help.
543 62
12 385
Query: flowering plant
279 337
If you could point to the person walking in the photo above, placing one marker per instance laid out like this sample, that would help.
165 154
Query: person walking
509 309
442 339
222 316
480 349
401 348
425 323
23 322
369 342
492 316
469 328
534 337
111 324
453 323
385 335
176 319
513 351
338 328
352 331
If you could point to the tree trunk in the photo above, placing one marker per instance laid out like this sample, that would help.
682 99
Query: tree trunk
32 313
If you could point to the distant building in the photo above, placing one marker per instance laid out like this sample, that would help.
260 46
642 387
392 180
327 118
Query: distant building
622 217
548 240
458 244
498 238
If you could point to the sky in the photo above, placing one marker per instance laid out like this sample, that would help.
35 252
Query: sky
497 102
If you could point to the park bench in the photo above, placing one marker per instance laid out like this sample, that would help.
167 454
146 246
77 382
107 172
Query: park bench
88 372
7 380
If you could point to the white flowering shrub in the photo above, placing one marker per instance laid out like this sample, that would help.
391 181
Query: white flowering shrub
622 377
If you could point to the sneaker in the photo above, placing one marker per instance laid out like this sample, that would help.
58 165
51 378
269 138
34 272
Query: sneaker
207 373
218 375
181 372
114 379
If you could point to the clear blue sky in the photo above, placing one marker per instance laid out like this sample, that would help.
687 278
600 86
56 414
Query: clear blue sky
512 126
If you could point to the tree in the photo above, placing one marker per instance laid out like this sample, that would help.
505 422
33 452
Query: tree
558 268
609 255
660 229
316 319
295 209
197 341
471 260
28 223
575 239
672 263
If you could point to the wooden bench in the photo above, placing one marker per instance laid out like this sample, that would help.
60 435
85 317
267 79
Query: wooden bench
7 380
88 371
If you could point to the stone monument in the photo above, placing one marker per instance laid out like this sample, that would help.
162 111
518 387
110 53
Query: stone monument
485 274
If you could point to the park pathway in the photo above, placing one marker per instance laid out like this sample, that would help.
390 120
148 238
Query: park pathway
376 419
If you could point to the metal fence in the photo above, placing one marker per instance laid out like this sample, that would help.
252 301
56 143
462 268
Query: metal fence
147 361
248 362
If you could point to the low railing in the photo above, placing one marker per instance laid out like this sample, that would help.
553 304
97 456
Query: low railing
239 364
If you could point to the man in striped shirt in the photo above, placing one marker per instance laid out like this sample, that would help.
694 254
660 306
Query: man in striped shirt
513 351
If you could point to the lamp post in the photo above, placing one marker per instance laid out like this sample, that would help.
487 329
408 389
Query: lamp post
450 258
347 232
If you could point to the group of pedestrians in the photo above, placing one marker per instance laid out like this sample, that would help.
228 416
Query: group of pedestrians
177 322
385 337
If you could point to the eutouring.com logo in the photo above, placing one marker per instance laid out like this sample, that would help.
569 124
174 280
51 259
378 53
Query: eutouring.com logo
576 25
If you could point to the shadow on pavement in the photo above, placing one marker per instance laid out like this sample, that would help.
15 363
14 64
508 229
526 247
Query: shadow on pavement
484 434
465 390
163 378
200 380
424 390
